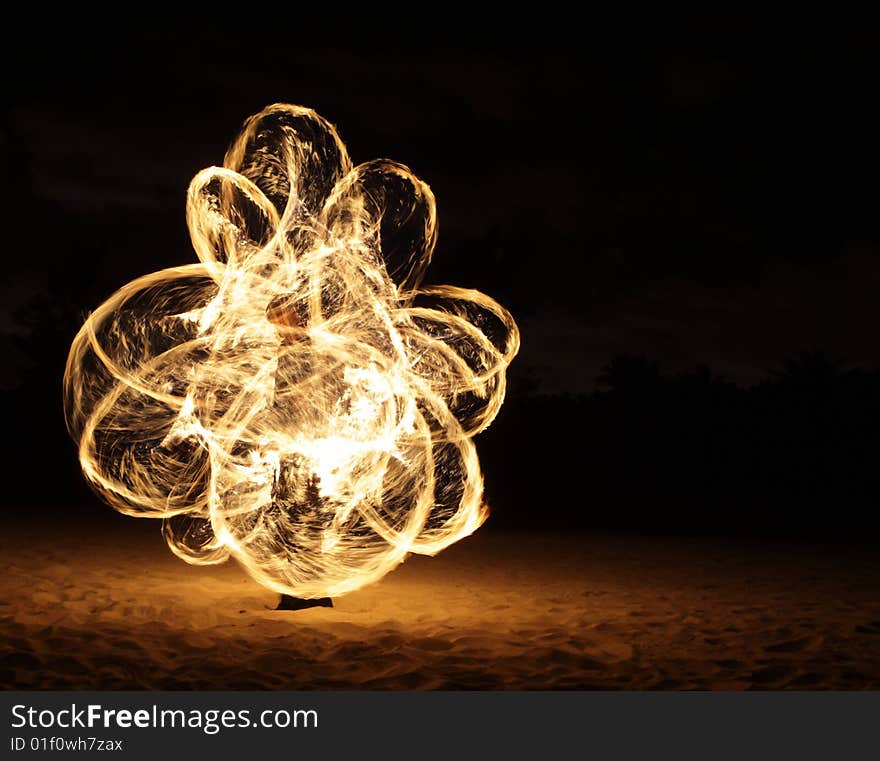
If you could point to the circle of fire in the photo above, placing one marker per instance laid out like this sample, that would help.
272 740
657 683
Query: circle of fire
296 399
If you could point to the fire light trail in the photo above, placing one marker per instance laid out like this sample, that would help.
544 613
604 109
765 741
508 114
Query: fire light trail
297 399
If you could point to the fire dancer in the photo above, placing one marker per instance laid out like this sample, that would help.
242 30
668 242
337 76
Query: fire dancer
282 312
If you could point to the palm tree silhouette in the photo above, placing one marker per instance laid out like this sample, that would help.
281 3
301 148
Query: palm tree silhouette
809 370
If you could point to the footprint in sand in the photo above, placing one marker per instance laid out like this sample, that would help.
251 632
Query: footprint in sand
771 674
432 644
393 639
797 645
68 666
808 679
20 661
730 663
869 627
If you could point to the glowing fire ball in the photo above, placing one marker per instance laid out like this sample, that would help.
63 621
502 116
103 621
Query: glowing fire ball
296 399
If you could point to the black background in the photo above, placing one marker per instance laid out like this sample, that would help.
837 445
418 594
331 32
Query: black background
680 211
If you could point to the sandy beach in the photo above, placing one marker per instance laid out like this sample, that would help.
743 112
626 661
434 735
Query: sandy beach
109 607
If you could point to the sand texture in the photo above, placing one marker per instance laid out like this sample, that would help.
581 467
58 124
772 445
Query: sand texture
111 608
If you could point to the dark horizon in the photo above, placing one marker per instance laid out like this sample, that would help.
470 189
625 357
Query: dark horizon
699 192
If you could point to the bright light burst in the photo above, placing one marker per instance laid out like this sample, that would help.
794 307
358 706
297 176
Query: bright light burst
296 399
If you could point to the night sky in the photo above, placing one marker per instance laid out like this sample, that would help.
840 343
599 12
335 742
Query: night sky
700 190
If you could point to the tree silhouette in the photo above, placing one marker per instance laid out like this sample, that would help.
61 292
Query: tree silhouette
630 374
810 370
